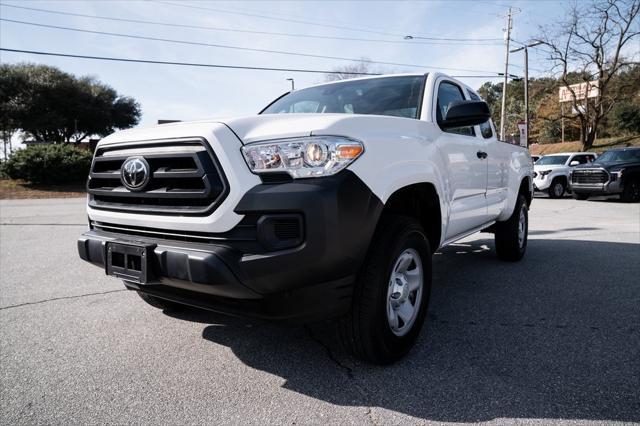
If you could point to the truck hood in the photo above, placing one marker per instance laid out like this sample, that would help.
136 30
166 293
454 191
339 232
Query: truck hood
538 167
608 165
279 126
276 126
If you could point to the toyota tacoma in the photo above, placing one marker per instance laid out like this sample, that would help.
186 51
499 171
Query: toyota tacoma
328 204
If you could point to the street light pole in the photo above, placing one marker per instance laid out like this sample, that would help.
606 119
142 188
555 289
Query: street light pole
526 84
506 74
526 96
292 84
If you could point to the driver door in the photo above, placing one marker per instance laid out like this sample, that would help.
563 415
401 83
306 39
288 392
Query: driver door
464 158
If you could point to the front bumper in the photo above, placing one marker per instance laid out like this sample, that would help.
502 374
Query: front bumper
541 184
607 188
234 273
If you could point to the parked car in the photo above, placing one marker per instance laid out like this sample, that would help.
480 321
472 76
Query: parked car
551 172
616 171
331 213
535 158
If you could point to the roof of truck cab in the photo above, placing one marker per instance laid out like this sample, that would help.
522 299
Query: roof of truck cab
369 77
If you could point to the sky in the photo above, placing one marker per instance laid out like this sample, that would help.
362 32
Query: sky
188 93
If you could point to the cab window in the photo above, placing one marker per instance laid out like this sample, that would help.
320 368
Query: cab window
447 93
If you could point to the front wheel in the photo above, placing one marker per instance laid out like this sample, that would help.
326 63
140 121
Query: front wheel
631 192
512 234
391 294
557 188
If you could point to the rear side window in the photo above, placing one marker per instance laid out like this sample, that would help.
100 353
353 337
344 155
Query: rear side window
447 93
485 128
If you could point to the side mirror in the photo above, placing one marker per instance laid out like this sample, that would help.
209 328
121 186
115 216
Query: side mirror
466 113
574 163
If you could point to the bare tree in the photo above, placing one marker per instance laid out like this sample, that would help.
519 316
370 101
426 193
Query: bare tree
597 42
362 68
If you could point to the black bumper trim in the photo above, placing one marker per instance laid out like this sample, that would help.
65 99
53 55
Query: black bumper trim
339 216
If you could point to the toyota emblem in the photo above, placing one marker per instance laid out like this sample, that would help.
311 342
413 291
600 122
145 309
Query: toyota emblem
135 173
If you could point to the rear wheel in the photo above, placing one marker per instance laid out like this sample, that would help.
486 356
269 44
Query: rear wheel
511 235
156 302
631 192
391 294
557 188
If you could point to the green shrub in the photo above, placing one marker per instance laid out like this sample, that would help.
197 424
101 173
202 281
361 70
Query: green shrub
49 164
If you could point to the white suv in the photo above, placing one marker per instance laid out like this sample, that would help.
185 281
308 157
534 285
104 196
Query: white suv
551 172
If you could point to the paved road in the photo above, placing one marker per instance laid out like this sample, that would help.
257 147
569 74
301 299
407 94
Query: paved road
555 337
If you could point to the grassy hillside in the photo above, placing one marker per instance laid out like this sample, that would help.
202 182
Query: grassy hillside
600 145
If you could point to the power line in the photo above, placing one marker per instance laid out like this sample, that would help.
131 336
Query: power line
237 30
298 21
224 46
189 64
195 64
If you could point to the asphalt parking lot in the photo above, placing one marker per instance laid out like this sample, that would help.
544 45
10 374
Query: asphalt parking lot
554 338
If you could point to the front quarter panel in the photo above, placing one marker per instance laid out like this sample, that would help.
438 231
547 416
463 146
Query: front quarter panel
398 152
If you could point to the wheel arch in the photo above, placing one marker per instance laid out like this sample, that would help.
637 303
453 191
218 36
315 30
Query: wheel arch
524 186
422 202
525 189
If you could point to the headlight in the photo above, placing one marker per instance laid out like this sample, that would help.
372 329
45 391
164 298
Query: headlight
305 157
615 175
545 172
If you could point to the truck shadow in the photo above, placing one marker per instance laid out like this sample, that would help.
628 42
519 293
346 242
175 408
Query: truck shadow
556 336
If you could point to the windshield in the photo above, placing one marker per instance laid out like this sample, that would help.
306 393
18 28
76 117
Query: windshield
619 156
552 160
396 96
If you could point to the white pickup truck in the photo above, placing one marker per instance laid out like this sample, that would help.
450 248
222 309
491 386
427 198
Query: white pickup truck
327 204
551 172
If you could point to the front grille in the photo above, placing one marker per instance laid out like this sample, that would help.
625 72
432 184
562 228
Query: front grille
590 176
185 178
244 231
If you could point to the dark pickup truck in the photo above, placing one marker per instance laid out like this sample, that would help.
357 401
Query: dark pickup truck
617 171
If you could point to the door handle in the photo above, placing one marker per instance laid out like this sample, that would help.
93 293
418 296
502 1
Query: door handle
482 154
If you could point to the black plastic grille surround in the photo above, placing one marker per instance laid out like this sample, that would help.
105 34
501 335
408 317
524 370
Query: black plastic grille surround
186 178
255 233
589 176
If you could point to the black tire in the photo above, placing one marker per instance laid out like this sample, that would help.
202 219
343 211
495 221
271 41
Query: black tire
366 330
557 188
509 246
631 192
580 196
156 302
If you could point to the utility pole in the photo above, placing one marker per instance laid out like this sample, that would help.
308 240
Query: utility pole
526 83
292 84
506 72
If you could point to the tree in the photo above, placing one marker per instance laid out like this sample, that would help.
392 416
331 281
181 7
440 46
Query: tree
538 90
50 105
354 70
11 104
593 42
